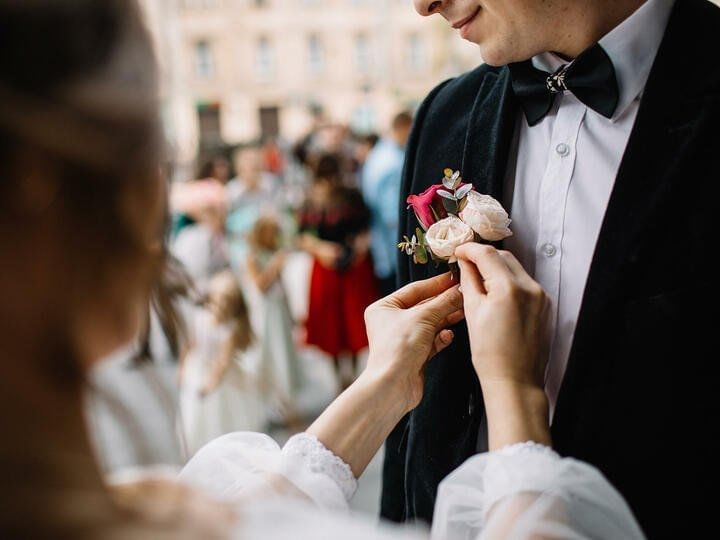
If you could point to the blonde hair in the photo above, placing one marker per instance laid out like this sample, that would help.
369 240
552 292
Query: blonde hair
257 234
227 304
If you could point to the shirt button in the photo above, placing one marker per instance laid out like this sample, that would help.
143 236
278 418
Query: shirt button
549 250
563 149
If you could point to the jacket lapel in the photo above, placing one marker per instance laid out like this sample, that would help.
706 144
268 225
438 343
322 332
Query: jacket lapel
487 140
659 140
489 134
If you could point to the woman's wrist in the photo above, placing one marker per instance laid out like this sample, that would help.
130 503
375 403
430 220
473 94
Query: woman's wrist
357 423
516 412
390 389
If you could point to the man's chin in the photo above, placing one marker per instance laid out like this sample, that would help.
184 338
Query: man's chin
497 56
491 56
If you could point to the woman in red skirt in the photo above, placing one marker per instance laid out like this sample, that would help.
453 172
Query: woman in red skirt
334 224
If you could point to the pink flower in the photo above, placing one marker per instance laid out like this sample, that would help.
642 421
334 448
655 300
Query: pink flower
428 206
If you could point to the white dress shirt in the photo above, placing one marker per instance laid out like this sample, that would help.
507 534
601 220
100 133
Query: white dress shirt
564 173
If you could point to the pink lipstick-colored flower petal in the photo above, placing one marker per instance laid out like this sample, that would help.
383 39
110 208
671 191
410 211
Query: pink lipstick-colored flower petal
424 204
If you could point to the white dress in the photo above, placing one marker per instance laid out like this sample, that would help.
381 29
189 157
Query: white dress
234 405
202 252
525 491
279 362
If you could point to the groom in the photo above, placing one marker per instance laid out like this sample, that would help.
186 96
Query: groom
609 167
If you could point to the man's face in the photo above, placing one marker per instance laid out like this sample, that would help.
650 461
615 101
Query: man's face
248 164
402 134
506 30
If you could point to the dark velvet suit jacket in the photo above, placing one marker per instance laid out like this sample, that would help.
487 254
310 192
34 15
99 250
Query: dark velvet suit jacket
640 395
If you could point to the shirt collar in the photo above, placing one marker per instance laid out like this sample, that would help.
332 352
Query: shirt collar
632 47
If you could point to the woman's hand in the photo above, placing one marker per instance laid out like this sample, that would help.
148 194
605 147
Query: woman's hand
361 246
408 328
327 253
507 315
405 329
209 387
276 265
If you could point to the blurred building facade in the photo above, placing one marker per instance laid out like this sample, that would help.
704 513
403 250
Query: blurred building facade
241 70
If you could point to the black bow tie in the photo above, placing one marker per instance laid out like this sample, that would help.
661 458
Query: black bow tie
591 78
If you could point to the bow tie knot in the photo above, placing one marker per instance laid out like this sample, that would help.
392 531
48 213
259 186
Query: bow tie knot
590 78
556 81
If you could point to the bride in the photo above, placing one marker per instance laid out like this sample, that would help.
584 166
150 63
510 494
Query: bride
80 229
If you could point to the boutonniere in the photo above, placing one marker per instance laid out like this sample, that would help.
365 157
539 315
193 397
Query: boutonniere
450 214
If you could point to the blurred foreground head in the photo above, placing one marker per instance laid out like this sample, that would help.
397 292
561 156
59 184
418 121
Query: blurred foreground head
80 196
81 219
81 212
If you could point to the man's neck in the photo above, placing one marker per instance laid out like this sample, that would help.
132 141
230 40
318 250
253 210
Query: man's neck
586 22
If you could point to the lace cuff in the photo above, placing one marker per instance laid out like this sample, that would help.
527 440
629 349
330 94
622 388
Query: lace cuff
322 461
529 447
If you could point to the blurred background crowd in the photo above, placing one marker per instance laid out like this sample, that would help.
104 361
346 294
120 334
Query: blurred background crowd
287 122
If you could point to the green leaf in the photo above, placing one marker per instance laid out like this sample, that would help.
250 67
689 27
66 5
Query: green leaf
455 179
435 214
463 191
421 255
446 194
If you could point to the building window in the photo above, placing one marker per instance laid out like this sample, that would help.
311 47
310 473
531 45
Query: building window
269 122
316 55
264 59
362 54
416 53
204 62
209 124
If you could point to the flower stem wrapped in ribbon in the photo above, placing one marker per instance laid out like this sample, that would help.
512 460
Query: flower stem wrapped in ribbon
451 214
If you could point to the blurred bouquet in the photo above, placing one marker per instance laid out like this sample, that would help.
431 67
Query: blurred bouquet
451 214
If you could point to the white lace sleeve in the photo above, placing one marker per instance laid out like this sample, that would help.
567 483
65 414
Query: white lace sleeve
318 459
528 491
242 464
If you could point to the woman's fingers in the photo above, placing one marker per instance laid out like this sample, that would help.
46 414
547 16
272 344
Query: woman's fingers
418 291
453 318
516 268
442 340
491 265
471 281
513 264
438 309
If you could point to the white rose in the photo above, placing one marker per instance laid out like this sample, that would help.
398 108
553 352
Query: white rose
486 217
446 235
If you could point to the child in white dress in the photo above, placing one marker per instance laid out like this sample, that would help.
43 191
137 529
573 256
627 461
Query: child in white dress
219 392
279 363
